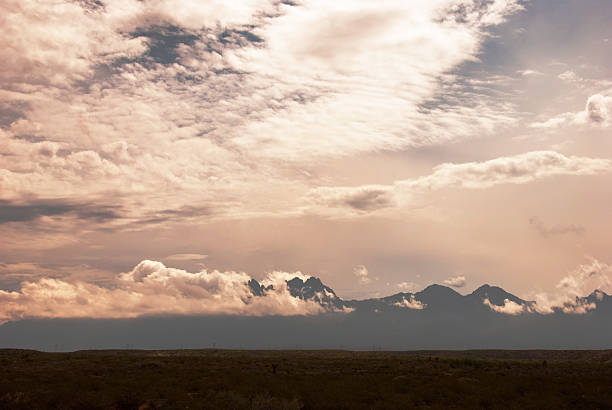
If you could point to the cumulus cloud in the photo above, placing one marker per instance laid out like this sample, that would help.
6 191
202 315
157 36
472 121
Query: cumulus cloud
458 281
362 274
517 169
569 296
597 112
509 307
151 288
410 303
571 293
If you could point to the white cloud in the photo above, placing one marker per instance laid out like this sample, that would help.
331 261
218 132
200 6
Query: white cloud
597 112
154 289
319 79
509 307
517 169
458 281
366 68
51 43
362 274
570 296
410 304
572 288
528 72
569 76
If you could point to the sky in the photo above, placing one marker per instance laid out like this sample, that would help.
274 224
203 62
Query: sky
157 153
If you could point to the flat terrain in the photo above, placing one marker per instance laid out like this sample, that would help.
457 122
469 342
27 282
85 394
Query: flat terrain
226 379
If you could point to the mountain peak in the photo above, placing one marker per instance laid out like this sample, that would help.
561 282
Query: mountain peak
438 296
495 295
314 289
437 289
597 296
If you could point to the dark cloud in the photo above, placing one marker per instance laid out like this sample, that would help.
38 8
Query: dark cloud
555 230
176 214
164 42
239 37
11 112
369 200
91 5
29 211
29 138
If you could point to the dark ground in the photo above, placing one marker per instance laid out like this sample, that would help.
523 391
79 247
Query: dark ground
225 379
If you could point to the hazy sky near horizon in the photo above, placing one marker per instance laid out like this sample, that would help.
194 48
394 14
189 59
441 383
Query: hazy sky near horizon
381 146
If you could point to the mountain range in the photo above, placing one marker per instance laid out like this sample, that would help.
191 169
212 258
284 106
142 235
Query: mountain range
436 298
437 317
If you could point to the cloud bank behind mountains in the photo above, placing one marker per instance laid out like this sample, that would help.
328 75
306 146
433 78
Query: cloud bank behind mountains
154 289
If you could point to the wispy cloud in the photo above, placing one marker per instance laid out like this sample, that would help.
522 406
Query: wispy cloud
555 230
194 102
186 257
518 169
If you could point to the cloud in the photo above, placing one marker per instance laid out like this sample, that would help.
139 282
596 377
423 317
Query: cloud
598 108
411 303
570 296
31 210
13 274
196 106
362 274
509 308
369 70
597 112
361 199
187 257
555 230
458 281
517 169
151 288
528 73
571 290
569 76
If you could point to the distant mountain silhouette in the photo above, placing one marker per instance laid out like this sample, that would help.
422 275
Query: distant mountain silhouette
437 317
495 295
434 297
